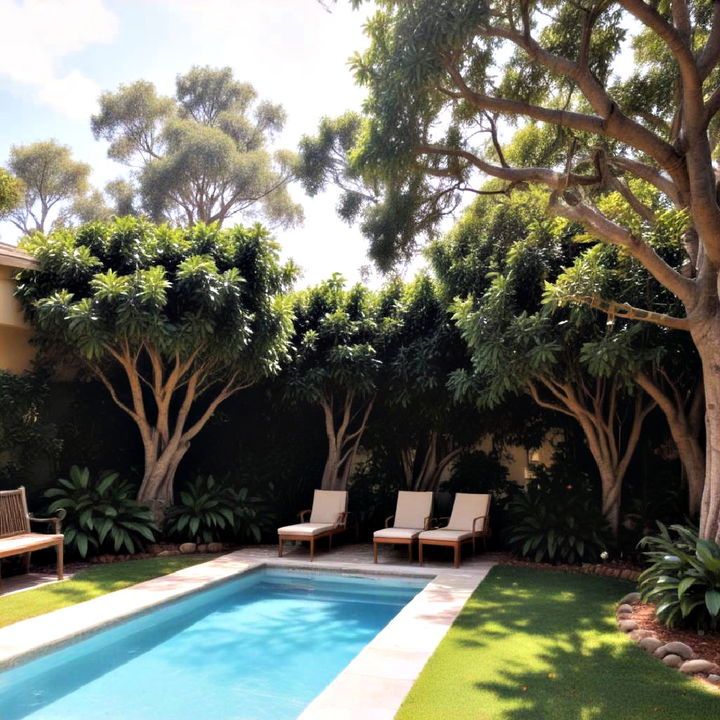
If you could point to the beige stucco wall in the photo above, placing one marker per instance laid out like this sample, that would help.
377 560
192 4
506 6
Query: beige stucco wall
16 353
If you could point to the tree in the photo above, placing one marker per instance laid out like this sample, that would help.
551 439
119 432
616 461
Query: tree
572 363
201 156
11 192
171 321
439 73
336 362
50 178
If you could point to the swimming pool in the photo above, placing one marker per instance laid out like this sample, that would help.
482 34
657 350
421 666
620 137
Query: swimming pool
258 647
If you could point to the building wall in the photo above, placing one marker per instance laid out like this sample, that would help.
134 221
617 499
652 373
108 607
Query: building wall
16 353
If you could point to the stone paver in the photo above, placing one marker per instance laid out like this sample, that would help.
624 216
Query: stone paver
373 685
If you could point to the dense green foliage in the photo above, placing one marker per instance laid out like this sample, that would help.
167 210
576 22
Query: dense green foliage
683 580
557 519
26 435
101 513
11 192
188 317
543 645
203 154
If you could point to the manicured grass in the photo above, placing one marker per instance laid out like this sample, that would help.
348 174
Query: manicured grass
541 645
88 584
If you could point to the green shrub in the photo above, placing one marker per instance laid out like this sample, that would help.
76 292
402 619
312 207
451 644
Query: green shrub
556 521
101 514
683 580
209 511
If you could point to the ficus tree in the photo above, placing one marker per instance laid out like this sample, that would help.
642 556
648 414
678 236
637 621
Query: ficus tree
171 321
447 80
11 192
203 155
336 361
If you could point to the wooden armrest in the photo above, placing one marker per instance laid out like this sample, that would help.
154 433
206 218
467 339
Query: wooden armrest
302 515
342 519
387 520
55 521
480 517
437 520
428 522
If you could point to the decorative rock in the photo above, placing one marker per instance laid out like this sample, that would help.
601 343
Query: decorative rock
638 635
187 548
680 648
632 598
697 666
714 679
650 644
624 608
627 625
672 660
214 547
165 553
202 548
661 652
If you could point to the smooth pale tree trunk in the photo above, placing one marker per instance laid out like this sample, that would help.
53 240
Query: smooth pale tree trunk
344 431
425 475
597 414
683 421
708 345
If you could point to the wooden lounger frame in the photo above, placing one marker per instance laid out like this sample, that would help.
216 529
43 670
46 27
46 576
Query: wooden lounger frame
340 526
398 541
484 533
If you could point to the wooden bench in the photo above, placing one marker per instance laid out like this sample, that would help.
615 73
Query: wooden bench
15 535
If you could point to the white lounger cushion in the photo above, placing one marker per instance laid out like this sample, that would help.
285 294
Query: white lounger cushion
444 534
397 533
327 505
305 529
412 509
466 507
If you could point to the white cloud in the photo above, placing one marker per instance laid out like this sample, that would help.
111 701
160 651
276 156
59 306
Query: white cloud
35 38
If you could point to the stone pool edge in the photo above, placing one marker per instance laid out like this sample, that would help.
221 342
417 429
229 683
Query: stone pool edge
372 686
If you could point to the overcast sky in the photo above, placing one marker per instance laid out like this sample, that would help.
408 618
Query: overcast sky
57 56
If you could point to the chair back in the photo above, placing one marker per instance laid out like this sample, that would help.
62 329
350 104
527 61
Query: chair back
412 509
327 505
466 507
14 519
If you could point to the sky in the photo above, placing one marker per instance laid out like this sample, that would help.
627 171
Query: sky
58 56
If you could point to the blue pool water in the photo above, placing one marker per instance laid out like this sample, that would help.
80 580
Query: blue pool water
260 646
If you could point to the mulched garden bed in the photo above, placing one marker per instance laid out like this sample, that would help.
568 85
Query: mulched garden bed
705 646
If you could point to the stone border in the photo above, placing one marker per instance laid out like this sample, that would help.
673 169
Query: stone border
373 685
674 654
620 573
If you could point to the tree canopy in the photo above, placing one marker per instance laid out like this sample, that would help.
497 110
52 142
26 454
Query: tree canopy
171 321
202 156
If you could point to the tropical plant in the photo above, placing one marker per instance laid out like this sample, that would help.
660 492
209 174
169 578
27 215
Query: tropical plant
171 321
556 521
102 514
210 511
683 580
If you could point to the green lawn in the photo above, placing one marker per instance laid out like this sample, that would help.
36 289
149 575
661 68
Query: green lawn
535 645
88 584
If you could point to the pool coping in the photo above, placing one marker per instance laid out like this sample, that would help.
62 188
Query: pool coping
371 687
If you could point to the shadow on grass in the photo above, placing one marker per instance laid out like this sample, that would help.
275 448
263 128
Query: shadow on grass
535 644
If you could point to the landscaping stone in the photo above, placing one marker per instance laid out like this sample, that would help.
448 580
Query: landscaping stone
661 652
214 547
714 679
627 625
690 667
187 548
680 648
650 644
202 548
672 660
165 553
638 635
624 608
632 598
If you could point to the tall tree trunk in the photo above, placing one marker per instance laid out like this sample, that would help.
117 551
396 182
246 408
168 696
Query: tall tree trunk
682 420
425 475
708 345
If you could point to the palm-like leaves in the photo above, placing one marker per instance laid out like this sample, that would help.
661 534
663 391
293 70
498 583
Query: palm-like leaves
101 514
683 580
